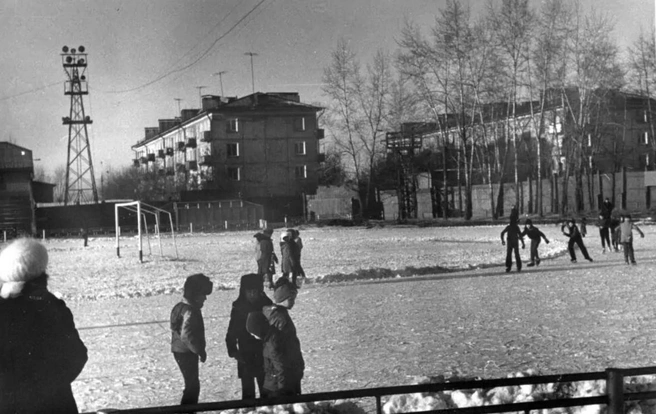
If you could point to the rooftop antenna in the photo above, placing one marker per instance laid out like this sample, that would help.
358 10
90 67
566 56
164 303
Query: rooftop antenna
80 180
251 54
200 94
219 74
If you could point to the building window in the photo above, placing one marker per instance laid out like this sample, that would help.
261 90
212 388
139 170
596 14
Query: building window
234 173
300 171
232 150
590 161
233 125
299 148
589 140
647 166
299 124
645 138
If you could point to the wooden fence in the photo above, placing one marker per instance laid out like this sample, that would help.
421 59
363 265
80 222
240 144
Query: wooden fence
615 396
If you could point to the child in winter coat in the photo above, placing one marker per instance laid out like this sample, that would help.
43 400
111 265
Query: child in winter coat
536 237
283 359
241 345
615 233
290 256
296 236
514 237
570 230
626 237
188 334
604 232
265 256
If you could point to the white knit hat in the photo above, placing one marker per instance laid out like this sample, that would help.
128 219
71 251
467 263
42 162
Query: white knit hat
23 260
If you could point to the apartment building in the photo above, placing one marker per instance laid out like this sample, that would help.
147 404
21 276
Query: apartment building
261 146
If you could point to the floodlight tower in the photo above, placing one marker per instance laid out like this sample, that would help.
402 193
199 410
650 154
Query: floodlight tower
80 180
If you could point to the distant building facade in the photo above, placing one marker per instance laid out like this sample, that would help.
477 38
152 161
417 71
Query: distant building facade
16 193
261 147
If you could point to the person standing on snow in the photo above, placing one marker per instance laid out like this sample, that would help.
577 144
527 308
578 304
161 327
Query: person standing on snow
290 260
570 230
241 345
296 236
626 237
188 334
536 236
604 232
514 237
283 359
41 353
265 256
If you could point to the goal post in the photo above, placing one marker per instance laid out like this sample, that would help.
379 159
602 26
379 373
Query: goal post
143 210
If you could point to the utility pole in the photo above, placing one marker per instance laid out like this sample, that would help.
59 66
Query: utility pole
219 74
200 94
178 100
251 54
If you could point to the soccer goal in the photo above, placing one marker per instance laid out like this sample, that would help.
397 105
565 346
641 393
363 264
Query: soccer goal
143 211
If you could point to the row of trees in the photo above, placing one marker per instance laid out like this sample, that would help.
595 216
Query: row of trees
513 54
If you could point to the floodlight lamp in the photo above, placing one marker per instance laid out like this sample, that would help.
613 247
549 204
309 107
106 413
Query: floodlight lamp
69 59
83 77
87 118
65 49
81 49
80 61
73 51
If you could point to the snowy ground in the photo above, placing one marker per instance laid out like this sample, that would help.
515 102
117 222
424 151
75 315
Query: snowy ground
479 321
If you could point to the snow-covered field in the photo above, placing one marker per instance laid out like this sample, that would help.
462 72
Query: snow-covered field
480 321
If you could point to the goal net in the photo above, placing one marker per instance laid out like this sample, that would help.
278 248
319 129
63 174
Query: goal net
143 211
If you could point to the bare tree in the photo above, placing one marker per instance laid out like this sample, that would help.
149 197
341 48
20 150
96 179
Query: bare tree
358 111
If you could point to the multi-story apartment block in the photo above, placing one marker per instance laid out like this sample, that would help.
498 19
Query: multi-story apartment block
261 146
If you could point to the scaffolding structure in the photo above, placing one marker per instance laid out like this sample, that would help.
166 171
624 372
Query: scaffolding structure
80 179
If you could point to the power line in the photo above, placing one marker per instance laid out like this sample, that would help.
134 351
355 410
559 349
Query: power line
159 78
4 98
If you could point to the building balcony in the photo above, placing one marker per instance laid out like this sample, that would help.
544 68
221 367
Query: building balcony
320 134
135 162
169 152
180 167
206 160
206 137
143 160
191 142
321 157
192 165
181 146
170 172
151 157
161 153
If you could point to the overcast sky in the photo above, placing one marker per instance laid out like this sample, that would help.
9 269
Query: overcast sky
131 44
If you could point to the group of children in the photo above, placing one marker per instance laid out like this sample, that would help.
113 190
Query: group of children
621 230
261 335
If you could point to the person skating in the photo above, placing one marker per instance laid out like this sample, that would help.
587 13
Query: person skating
626 237
41 353
604 232
289 263
536 236
296 236
607 208
265 256
283 359
570 230
514 237
241 345
188 334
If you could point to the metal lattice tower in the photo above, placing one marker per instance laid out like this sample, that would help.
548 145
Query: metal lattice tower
80 180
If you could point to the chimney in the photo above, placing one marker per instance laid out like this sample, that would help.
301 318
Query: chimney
166 124
151 132
187 114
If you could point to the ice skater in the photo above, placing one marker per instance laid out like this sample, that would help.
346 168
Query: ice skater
626 237
536 236
514 237
604 232
570 230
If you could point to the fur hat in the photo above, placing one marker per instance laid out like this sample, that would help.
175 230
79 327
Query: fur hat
22 261
529 222
285 235
251 281
283 290
197 284
268 231
257 324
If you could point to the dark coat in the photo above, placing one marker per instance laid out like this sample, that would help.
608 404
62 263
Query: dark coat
514 234
283 359
534 233
264 255
239 341
41 354
187 329
290 262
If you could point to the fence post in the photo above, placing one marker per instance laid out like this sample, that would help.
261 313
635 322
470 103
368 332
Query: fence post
615 390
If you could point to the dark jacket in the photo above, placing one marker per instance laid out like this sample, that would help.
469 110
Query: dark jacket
290 262
187 329
283 359
571 232
239 341
264 255
534 233
514 234
41 354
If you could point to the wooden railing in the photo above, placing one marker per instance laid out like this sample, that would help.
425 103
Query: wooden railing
614 398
